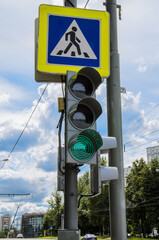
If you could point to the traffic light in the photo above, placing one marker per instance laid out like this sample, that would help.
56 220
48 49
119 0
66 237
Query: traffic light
82 141
101 174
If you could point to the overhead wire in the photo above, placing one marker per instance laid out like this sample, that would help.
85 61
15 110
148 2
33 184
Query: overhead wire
140 119
141 145
26 124
86 4
134 139
141 137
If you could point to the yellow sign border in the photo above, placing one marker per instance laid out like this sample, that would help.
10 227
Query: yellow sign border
42 64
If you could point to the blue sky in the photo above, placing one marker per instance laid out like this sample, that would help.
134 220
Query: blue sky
32 165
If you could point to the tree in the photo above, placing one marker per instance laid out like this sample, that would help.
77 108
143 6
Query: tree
142 196
2 234
152 194
104 161
99 211
83 210
93 211
53 215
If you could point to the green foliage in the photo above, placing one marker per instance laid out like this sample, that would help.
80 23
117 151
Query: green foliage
142 192
83 184
49 237
136 238
83 210
142 197
104 161
2 234
93 211
99 211
53 215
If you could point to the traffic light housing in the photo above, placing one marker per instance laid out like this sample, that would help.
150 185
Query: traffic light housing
82 141
103 174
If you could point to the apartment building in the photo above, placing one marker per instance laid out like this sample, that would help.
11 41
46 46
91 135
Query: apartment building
5 222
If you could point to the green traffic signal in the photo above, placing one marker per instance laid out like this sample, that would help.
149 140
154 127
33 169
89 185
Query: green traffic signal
83 147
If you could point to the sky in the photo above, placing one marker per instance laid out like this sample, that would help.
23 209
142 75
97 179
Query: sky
32 165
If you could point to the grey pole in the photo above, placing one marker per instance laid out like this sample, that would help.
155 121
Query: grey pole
70 3
117 188
70 203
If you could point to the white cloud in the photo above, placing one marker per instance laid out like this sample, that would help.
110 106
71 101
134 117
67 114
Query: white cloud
52 93
96 4
5 98
17 34
23 208
32 170
32 207
101 95
142 67
130 101
138 25
10 91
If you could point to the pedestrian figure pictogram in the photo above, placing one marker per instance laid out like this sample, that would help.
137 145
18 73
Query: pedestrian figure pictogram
73 40
73 44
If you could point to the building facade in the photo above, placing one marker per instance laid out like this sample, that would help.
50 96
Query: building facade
32 225
5 222
152 152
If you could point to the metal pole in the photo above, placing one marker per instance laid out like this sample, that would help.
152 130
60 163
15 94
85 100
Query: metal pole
70 203
70 210
117 188
70 3
70 191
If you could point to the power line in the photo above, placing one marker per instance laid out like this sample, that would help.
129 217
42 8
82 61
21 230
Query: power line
26 124
140 137
86 4
14 194
141 131
142 145
140 119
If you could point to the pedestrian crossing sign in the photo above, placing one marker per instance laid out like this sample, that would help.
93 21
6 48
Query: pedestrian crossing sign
71 38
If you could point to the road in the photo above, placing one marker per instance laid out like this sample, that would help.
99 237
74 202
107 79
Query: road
30 238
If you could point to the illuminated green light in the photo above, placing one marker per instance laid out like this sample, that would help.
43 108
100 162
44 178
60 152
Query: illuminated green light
86 145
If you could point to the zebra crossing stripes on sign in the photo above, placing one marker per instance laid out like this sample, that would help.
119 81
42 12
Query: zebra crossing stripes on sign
74 41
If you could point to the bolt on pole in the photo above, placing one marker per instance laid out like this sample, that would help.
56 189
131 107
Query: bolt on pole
117 188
